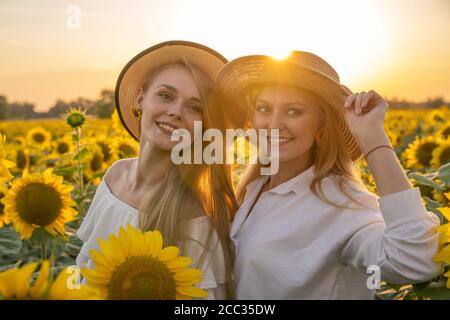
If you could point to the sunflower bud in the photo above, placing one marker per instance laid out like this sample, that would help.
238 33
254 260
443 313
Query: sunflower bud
75 118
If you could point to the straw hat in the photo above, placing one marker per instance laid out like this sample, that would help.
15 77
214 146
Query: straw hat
301 69
136 72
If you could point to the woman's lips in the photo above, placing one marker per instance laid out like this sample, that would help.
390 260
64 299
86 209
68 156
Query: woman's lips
281 140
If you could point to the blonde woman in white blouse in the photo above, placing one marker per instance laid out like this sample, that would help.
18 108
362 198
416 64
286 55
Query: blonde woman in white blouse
313 230
167 87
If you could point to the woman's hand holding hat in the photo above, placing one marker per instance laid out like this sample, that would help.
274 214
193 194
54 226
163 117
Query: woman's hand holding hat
365 113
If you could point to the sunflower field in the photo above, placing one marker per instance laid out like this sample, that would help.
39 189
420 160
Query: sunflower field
50 169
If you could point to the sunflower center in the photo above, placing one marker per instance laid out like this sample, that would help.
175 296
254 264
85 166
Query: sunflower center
424 152
106 151
62 148
96 162
126 150
142 278
2 206
444 157
38 137
21 159
38 203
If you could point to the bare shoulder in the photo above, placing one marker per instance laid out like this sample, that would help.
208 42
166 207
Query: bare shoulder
115 172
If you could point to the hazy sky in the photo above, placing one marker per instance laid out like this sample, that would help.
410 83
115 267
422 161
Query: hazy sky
400 48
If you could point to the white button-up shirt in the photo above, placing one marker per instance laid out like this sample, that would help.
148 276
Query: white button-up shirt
293 245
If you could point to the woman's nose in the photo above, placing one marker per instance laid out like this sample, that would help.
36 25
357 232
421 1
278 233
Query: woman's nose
175 111
276 121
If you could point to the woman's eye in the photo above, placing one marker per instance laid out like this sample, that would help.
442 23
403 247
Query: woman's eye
261 109
294 112
196 109
165 96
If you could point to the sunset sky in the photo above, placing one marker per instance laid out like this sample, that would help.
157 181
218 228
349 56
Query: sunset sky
400 48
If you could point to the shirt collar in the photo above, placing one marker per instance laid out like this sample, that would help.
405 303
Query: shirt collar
298 184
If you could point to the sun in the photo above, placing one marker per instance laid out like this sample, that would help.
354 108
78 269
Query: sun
39 200
134 266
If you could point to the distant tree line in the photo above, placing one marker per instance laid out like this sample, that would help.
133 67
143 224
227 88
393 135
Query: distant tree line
104 106
101 107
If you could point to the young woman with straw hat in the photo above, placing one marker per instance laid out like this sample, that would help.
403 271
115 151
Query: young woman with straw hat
313 230
167 87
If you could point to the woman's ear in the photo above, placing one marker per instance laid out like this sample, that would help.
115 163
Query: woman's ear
139 98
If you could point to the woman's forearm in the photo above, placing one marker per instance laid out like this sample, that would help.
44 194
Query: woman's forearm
383 163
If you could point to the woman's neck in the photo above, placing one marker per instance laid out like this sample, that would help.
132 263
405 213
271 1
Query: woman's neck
151 166
288 170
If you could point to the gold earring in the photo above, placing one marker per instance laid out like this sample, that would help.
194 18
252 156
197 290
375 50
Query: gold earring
318 137
136 112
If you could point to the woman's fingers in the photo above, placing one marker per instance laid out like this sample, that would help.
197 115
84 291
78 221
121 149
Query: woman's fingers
349 101
365 101
358 107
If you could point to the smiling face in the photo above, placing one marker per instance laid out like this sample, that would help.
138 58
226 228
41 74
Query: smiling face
171 100
295 116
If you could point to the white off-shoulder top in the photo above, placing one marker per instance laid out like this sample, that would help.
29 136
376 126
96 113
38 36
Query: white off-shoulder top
108 213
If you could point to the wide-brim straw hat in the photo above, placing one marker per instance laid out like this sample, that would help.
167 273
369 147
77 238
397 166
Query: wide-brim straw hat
300 69
137 70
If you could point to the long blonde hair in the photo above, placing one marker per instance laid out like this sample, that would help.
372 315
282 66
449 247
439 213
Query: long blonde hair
331 157
188 186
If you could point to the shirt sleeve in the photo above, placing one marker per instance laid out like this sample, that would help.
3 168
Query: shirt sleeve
401 239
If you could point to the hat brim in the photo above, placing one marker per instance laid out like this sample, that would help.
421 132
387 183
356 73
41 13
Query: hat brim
136 72
243 73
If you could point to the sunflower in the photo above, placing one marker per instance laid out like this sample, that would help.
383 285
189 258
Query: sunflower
134 266
19 141
39 200
39 137
5 165
75 117
63 146
436 116
21 157
444 253
441 155
4 220
124 147
16 284
419 152
93 162
444 131
104 143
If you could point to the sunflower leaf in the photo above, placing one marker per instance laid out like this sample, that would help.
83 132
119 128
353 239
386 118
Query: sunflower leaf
67 172
444 173
434 291
10 243
433 206
424 181
80 155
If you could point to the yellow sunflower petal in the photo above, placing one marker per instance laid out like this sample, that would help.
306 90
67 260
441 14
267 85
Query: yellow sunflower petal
169 253
192 291
187 274
41 283
179 262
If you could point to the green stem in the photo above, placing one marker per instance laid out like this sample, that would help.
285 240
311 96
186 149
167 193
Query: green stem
80 172
43 251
